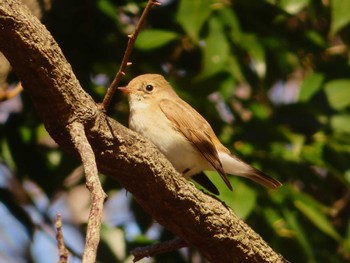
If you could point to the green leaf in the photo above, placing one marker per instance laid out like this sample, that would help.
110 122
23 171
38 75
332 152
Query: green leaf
340 15
256 51
338 93
313 153
115 239
310 86
260 111
229 18
26 133
215 49
316 38
299 232
234 67
274 219
6 154
292 153
341 123
293 6
347 176
154 38
242 199
108 9
191 15
227 87
345 247
313 212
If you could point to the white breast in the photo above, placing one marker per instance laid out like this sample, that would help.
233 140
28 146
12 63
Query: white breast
155 126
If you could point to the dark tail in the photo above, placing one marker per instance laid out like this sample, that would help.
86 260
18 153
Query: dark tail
263 179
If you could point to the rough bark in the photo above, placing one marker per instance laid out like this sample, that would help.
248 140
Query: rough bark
47 77
37 7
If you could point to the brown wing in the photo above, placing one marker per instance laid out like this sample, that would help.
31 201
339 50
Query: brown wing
196 129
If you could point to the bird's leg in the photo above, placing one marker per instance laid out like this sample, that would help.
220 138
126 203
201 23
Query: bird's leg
185 171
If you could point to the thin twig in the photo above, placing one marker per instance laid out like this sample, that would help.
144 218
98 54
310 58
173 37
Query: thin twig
160 248
93 184
62 250
10 93
125 62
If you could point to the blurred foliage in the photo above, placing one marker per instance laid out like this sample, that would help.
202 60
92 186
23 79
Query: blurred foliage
273 79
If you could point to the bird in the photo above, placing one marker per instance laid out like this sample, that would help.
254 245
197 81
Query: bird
185 138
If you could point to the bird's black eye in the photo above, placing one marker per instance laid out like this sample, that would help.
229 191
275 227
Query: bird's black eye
149 87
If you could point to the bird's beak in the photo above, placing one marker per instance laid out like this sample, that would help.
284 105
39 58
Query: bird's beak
125 90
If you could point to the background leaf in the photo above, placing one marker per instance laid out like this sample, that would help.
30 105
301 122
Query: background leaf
338 93
152 39
310 86
293 6
191 15
340 16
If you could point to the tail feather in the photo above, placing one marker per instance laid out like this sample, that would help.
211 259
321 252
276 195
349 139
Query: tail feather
263 179
233 165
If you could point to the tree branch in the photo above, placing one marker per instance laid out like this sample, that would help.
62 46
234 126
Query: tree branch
125 62
10 93
62 250
38 8
201 220
156 249
93 184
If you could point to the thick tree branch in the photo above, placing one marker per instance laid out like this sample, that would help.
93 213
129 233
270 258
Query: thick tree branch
199 219
37 7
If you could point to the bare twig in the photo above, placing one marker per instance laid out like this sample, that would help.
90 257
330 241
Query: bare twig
10 93
125 62
62 250
93 184
156 249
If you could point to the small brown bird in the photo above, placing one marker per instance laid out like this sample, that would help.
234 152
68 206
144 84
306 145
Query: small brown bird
182 134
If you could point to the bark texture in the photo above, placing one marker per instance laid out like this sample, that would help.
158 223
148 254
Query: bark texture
38 8
198 218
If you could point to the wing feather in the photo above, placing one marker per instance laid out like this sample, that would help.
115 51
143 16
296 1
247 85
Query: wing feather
196 129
